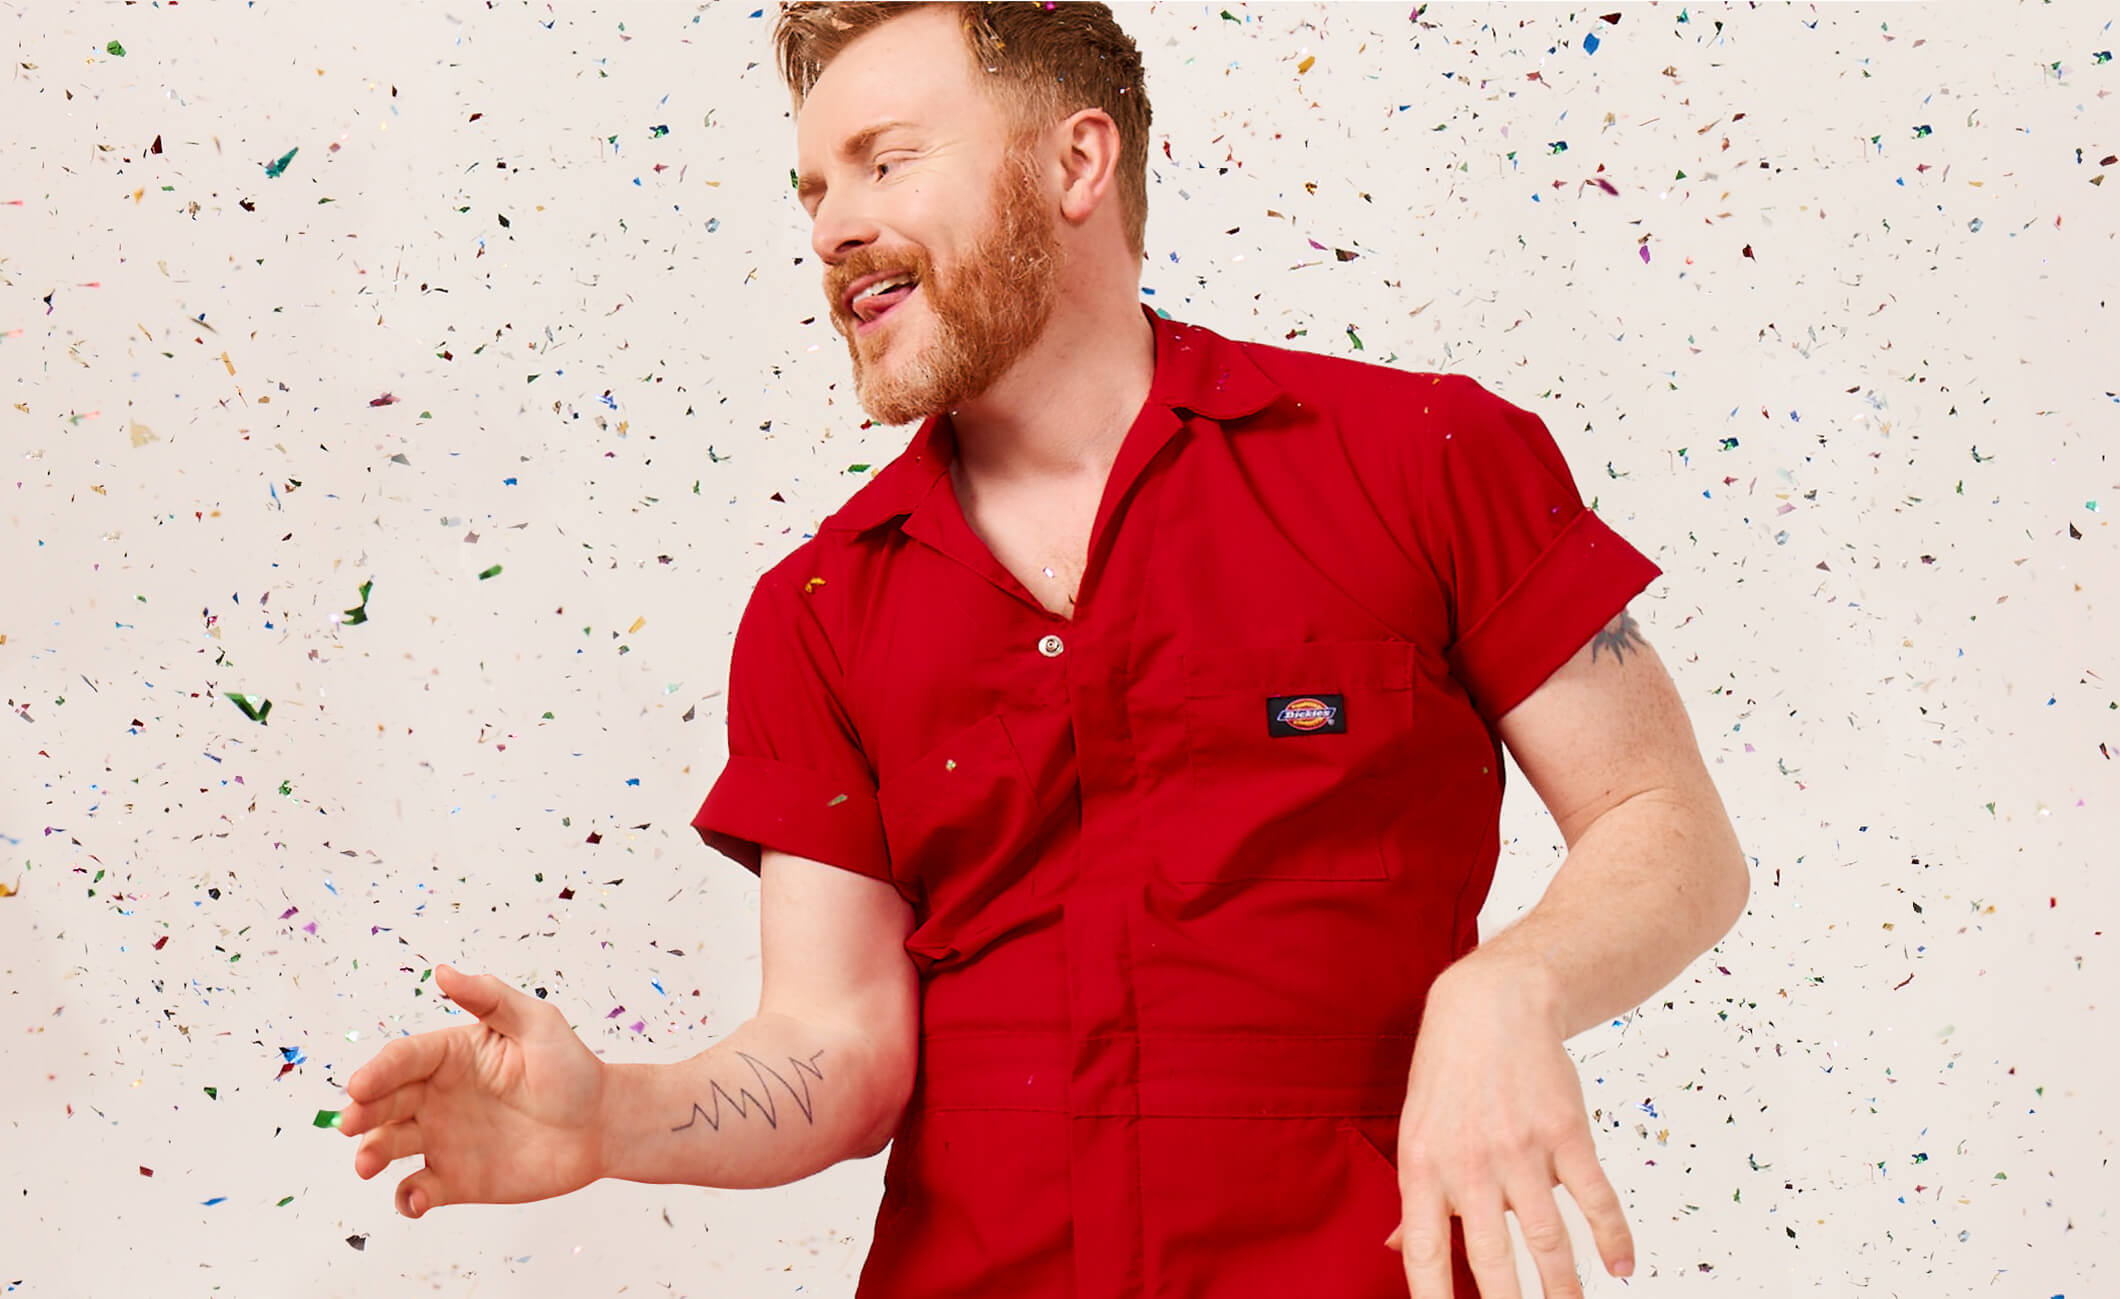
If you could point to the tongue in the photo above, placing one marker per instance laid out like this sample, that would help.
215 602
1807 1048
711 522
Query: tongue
876 304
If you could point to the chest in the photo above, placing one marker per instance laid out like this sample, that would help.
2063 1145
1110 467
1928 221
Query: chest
1042 540
1204 566
1223 706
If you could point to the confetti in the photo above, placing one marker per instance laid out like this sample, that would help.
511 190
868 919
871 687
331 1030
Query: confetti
148 952
359 613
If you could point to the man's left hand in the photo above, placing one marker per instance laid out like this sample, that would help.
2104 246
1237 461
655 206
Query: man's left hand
1494 1120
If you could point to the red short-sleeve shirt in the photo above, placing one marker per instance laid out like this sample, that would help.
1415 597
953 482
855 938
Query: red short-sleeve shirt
1183 866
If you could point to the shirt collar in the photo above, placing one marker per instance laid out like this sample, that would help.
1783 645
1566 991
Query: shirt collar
1196 370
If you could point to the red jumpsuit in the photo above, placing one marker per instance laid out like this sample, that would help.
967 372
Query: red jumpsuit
1184 865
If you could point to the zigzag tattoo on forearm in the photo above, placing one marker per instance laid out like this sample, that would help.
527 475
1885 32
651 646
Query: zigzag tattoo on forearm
765 1103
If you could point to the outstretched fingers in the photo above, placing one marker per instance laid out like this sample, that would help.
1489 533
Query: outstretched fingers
407 1060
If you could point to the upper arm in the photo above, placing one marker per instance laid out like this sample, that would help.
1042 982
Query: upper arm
1606 726
833 955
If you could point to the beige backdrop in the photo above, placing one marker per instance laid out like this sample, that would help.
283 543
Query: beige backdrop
532 296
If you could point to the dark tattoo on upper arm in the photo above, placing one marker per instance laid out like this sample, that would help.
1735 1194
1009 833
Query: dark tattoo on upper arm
1619 636
764 1101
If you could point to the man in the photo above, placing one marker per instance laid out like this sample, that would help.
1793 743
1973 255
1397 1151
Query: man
1122 763
1179 666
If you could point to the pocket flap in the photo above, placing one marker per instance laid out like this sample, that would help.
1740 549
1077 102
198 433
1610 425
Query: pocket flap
1319 666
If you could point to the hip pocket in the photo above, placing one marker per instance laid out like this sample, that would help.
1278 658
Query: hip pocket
1375 1139
1295 760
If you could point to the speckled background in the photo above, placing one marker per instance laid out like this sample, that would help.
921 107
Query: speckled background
510 312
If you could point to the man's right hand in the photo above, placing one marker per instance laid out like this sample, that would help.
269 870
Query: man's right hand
506 1110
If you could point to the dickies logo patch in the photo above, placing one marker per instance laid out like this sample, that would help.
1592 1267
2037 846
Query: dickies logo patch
1306 715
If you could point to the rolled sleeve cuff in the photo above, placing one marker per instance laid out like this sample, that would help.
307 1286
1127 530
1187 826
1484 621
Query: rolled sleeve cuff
758 803
1575 586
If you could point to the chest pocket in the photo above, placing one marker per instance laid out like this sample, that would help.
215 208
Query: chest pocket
957 820
1295 757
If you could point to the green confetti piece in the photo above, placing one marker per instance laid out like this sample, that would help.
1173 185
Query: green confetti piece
857 469
115 49
213 1093
284 1203
491 572
328 1118
274 168
359 613
253 707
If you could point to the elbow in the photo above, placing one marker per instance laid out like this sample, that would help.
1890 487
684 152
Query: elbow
1739 894
879 1137
895 1092
878 1141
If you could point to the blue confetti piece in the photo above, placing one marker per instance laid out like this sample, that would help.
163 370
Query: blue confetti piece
1590 43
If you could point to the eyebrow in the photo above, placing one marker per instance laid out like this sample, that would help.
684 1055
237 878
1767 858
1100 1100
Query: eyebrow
857 144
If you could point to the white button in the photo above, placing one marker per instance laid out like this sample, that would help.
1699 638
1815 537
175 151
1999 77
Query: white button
1051 647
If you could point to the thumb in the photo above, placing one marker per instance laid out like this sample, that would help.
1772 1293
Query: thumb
494 1002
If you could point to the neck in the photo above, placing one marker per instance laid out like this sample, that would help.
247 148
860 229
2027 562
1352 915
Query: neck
1063 413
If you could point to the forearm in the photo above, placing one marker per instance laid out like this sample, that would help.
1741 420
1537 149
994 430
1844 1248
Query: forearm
772 1103
1645 889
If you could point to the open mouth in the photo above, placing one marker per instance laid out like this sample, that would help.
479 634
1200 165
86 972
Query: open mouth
898 298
